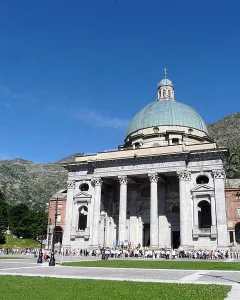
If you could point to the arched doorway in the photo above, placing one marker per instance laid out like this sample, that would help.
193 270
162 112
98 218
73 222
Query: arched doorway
204 214
237 232
58 234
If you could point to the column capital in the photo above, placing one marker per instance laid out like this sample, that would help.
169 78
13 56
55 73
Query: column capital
96 181
123 179
218 174
71 184
184 175
153 177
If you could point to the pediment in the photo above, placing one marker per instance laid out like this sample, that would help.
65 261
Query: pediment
82 195
202 188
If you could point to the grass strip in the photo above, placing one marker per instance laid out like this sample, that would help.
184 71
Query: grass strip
38 288
158 264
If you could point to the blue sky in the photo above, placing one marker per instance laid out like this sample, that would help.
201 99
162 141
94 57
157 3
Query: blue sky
74 73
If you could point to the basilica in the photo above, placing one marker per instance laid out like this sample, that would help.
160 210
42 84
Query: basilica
163 187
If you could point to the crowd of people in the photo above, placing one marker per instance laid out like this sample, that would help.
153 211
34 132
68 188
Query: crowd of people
16 251
127 252
119 252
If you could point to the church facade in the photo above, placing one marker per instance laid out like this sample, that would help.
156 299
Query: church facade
164 187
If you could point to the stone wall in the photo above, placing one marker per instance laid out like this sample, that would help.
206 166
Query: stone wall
61 211
232 204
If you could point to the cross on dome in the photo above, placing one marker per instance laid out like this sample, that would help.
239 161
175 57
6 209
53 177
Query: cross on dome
165 72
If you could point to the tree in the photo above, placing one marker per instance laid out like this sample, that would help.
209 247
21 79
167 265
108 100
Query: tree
27 223
17 217
3 218
233 162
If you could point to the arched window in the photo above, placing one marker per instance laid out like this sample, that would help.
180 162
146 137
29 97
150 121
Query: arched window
202 179
169 93
204 215
82 220
164 93
175 209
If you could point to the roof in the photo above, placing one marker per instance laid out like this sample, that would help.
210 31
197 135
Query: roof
60 194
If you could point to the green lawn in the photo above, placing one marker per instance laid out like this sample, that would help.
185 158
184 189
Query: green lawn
19 243
39 288
158 264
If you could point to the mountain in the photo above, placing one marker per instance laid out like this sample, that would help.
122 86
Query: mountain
23 181
27 182
226 132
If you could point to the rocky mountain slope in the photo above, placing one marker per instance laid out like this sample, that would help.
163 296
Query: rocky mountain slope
27 182
226 132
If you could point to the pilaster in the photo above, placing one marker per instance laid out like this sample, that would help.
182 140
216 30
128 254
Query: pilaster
214 219
185 207
97 183
69 214
219 183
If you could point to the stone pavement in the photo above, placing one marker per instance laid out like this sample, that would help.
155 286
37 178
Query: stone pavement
28 267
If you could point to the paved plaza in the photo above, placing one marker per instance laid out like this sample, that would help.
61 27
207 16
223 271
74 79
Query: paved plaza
29 267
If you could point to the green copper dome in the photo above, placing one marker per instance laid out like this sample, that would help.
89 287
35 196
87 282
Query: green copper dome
166 113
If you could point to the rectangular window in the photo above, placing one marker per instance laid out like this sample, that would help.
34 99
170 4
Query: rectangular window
238 211
59 205
59 217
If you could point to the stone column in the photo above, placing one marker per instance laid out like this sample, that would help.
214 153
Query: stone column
219 182
154 211
97 182
133 217
69 215
122 209
184 176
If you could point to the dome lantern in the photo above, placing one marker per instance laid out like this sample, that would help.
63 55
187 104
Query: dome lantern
165 88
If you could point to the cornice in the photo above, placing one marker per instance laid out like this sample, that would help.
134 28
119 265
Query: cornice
212 154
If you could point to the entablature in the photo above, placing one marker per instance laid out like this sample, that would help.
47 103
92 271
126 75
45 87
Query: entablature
194 160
